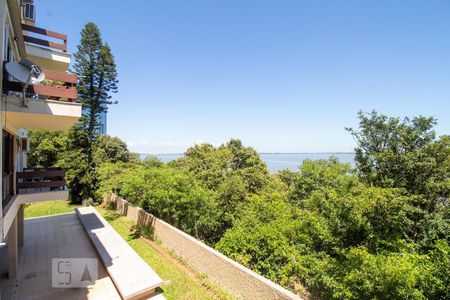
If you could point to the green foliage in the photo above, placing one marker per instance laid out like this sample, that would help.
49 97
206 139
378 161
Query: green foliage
146 230
381 231
80 177
60 149
170 194
208 164
182 284
345 240
97 79
321 174
110 205
212 165
110 149
324 228
288 177
261 239
382 276
232 172
46 148
246 163
111 177
230 196
48 208
152 161
402 153
96 69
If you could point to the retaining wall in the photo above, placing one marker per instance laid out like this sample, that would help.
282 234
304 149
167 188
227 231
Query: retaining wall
227 273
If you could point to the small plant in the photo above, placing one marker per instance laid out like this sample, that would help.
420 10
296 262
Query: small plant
111 216
88 202
146 231
111 205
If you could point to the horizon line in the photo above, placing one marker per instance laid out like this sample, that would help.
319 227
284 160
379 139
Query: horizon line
327 152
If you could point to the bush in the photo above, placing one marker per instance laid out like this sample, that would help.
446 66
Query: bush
146 231
170 194
262 240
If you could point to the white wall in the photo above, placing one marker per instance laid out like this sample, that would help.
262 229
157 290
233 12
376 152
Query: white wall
2 37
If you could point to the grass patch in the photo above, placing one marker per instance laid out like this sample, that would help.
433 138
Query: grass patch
48 208
180 286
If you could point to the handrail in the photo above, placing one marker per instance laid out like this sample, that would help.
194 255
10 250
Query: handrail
67 90
42 31
60 76
40 178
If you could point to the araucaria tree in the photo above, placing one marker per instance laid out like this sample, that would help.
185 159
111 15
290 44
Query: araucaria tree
97 80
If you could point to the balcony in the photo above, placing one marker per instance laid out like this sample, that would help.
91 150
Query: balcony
34 185
38 180
50 105
46 238
57 86
43 50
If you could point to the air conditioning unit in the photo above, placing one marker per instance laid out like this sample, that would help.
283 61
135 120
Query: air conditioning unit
28 11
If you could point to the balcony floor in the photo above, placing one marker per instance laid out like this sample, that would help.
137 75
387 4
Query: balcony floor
60 236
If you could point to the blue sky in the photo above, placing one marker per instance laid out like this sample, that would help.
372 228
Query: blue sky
283 76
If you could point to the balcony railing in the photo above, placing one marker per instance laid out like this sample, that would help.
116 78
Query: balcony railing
57 86
46 43
38 179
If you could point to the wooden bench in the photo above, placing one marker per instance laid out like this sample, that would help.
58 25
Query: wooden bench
133 278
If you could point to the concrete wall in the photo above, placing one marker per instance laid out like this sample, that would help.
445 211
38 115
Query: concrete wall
227 273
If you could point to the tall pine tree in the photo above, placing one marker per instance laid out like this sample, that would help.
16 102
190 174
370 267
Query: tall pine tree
97 80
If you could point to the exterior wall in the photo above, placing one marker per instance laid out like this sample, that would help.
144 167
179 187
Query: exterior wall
22 7
229 274
2 32
49 114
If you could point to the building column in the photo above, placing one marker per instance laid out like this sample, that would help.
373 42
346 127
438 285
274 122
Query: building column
2 51
13 250
20 225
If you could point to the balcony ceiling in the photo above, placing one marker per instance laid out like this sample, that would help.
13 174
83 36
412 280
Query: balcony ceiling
48 58
40 114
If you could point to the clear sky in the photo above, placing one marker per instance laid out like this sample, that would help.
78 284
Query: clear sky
283 76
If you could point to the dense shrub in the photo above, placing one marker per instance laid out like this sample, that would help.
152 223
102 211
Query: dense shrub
338 237
381 231
170 194
262 239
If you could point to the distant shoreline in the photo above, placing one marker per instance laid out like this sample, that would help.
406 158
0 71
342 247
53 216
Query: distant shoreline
283 153
276 161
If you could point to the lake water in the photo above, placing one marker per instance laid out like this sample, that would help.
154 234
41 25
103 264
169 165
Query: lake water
280 161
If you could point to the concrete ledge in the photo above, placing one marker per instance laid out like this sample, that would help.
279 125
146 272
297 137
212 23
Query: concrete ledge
48 58
10 211
131 275
229 274
40 114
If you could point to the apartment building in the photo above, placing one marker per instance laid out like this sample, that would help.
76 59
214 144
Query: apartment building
29 248
50 104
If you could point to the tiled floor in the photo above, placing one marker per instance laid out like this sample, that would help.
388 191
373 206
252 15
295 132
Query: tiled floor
46 238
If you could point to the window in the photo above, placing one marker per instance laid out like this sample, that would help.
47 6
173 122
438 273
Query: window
28 11
6 42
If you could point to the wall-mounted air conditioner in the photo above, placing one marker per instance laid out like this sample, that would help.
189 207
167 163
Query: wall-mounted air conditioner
28 11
